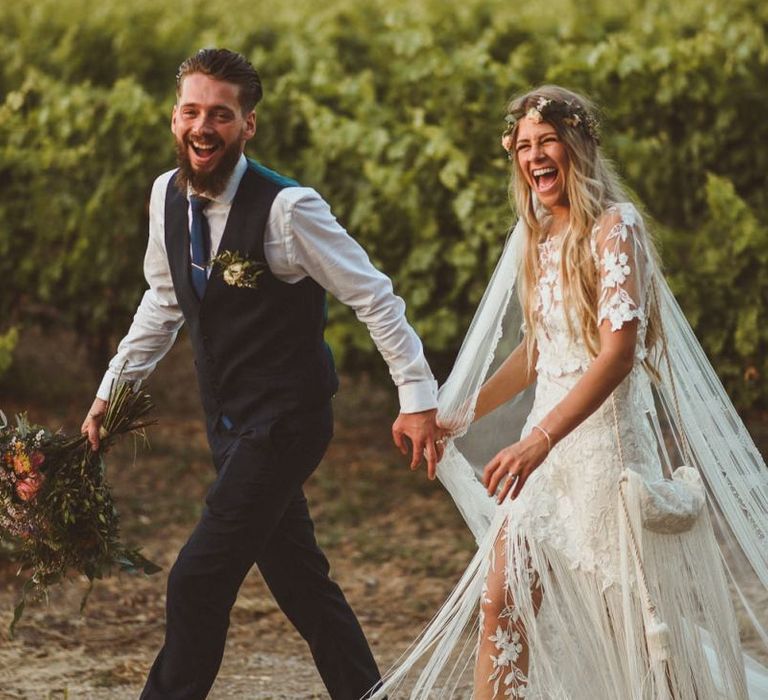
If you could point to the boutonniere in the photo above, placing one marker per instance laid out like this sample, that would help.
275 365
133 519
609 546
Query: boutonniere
237 270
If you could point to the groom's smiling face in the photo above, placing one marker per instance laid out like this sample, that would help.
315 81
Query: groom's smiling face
210 130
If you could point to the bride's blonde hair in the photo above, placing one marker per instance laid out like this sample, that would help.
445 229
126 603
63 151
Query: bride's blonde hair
591 185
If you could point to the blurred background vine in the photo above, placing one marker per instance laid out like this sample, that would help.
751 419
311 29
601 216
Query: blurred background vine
392 110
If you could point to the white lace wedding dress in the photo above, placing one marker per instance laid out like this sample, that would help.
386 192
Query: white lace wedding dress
569 503
559 554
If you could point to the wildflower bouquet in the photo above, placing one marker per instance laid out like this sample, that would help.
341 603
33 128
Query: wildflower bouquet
57 515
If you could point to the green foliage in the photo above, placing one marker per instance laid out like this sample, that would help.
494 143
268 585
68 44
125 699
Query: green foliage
726 295
393 110
76 162
8 342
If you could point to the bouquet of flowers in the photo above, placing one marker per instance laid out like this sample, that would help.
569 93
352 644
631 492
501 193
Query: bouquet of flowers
57 515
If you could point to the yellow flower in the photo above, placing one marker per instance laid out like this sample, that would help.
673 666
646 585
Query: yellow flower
21 463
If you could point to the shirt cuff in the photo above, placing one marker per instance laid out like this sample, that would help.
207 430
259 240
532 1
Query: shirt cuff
105 388
418 396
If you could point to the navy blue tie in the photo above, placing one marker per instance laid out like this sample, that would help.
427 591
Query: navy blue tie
200 236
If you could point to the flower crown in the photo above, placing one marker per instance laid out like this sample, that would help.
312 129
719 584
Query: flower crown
568 112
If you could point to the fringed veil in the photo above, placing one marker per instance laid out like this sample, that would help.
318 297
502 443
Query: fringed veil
689 405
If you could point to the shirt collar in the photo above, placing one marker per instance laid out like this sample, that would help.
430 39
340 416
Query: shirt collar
228 194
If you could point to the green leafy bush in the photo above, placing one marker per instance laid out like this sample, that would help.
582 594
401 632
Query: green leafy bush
8 342
393 111
76 162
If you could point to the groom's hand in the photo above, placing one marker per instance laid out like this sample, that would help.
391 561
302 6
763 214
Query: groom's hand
421 428
93 421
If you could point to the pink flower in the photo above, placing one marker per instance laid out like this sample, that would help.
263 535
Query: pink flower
36 459
28 488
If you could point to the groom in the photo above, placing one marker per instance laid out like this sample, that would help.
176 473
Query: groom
255 318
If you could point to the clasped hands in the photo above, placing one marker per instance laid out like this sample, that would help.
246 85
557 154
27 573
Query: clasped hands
514 463
426 435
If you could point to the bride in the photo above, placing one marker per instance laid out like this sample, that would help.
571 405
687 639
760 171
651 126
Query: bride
578 389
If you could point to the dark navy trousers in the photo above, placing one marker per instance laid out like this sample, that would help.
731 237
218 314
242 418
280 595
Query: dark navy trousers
256 513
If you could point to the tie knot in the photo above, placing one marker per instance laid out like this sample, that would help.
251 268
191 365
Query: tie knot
198 203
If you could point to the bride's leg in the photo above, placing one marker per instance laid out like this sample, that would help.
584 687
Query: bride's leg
501 669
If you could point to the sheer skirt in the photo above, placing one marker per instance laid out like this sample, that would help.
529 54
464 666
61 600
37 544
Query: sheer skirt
549 607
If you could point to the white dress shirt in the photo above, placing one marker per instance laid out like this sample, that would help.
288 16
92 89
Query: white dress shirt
302 239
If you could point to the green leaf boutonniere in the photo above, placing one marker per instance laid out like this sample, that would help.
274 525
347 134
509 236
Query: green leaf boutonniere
237 270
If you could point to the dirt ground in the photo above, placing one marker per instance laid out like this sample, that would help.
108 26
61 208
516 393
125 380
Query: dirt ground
395 542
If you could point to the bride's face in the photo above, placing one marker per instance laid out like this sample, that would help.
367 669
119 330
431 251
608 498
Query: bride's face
544 161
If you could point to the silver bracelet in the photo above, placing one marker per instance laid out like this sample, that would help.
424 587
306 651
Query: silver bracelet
546 435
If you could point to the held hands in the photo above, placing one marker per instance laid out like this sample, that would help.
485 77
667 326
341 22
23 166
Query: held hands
425 436
516 462
92 423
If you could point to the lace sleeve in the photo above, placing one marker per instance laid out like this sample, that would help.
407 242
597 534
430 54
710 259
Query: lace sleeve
619 253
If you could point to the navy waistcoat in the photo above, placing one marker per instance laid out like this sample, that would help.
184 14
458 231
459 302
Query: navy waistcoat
259 352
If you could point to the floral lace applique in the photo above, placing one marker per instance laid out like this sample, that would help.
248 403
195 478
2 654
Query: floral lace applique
507 639
509 644
549 290
618 253
616 303
558 354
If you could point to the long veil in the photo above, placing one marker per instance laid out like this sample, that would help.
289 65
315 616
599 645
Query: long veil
691 407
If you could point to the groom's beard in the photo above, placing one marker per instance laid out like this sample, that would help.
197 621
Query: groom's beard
211 183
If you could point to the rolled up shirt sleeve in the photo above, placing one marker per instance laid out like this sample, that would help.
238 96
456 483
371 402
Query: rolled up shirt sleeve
305 239
158 317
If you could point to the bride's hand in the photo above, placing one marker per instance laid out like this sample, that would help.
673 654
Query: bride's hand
516 462
448 428
442 435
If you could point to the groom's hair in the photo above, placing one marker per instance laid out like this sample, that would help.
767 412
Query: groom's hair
226 65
